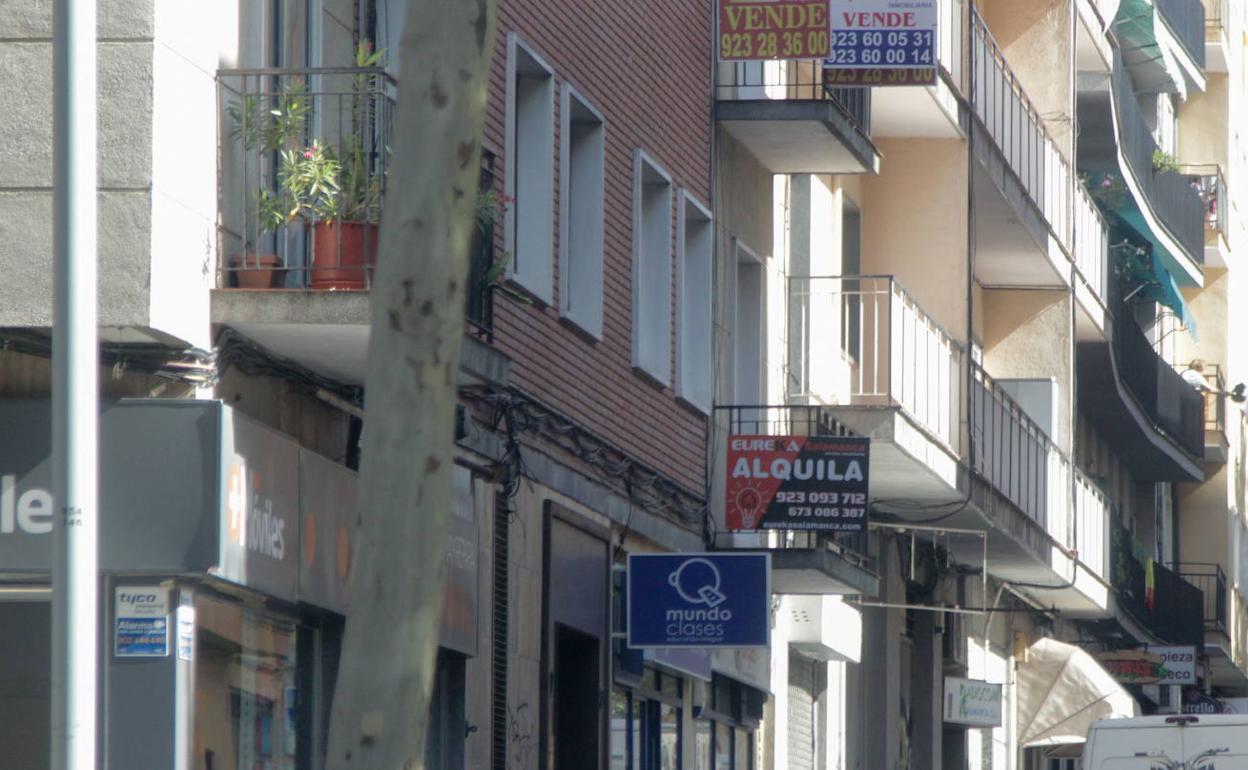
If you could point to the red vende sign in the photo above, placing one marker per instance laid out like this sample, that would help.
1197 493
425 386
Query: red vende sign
774 29
797 482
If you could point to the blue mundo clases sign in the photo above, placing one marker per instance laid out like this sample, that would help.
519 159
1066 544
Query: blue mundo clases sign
699 600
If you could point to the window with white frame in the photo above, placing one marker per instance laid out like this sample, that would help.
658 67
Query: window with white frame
694 337
530 182
582 164
652 268
749 328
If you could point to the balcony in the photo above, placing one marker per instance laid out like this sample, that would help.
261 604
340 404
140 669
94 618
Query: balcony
1217 16
1163 43
863 348
930 112
1156 206
1023 202
1172 610
1091 254
1210 185
1153 418
790 117
1217 443
1186 19
1211 581
802 562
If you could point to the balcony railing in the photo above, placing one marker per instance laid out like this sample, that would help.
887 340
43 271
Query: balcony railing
1217 13
1169 193
1091 243
1171 403
792 80
1187 19
1211 581
1170 608
797 420
1015 125
1210 186
1017 457
1092 514
302 162
863 340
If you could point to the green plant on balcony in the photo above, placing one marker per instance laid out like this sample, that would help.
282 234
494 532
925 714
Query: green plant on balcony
1105 189
1164 161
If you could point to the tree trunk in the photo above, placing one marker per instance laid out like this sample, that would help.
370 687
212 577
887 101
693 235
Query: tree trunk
381 700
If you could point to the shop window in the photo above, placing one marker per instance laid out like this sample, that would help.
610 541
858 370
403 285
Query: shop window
728 727
646 724
247 701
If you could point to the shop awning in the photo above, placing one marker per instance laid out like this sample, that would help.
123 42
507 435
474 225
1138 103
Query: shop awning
1062 690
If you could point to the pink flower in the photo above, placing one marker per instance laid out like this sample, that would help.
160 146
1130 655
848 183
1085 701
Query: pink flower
308 155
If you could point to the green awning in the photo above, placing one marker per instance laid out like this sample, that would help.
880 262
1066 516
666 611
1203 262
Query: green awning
1136 26
1148 277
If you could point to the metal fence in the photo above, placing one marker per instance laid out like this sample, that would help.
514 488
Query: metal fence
792 80
1187 19
1210 185
1211 581
1015 125
1169 193
302 160
1091 243
863 340
1215 400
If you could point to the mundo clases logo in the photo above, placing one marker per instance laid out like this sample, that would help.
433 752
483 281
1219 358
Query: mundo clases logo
698 600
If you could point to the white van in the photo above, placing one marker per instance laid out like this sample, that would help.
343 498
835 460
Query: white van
1176 742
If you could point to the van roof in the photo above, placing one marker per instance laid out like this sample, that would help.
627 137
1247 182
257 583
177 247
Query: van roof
1200 720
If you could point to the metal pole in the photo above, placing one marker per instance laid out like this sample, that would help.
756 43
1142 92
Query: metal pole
74 387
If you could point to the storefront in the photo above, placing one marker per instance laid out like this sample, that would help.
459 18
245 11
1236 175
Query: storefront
224 550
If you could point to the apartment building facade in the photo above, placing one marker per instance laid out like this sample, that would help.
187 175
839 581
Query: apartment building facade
1017 280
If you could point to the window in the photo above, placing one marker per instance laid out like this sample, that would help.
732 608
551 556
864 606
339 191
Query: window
729 737
748 333
530 170
851 264
582 159
695 375
652 269
645 724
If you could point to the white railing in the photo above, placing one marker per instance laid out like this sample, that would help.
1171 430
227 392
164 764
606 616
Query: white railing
863 340
1091 540
949 39
1060 516
1091 243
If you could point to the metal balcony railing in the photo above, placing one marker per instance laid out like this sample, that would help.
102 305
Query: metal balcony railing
1171 608
1015 125
1215 400
1187 19
863 340
1217 12
1017 457
1091 243
302 160
792 80
1210 185
796 420
1211 581
1091 532
1169 194
1172 404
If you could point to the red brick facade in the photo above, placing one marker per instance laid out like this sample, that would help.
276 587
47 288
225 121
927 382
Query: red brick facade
645 65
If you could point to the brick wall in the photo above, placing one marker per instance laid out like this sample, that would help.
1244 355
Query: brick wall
645 64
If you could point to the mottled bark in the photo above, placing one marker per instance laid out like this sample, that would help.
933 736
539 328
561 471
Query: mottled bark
382 694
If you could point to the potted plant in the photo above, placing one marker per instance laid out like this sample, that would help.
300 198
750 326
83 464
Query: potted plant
265 132
345 232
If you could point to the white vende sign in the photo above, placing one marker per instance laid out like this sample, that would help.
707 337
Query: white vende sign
972 702
883 42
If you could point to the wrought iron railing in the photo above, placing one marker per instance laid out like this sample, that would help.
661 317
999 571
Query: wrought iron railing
792 80
1091 532
1018 458
1165 603
1187 19
1169 194
863 340
1211 581
1172 404
1210 185
796 420
302 161
1018 130
1091 243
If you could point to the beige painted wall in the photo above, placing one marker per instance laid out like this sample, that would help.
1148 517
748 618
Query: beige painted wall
1037 38
1204 531
1029 334
914 225
1203 123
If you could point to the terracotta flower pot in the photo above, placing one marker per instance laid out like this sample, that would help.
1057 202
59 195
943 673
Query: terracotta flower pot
255 271
343 255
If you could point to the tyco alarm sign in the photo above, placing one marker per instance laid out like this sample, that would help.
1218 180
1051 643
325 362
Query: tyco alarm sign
699 599
882 43
797 482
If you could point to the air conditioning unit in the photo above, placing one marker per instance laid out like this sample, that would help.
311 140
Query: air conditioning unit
822 627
